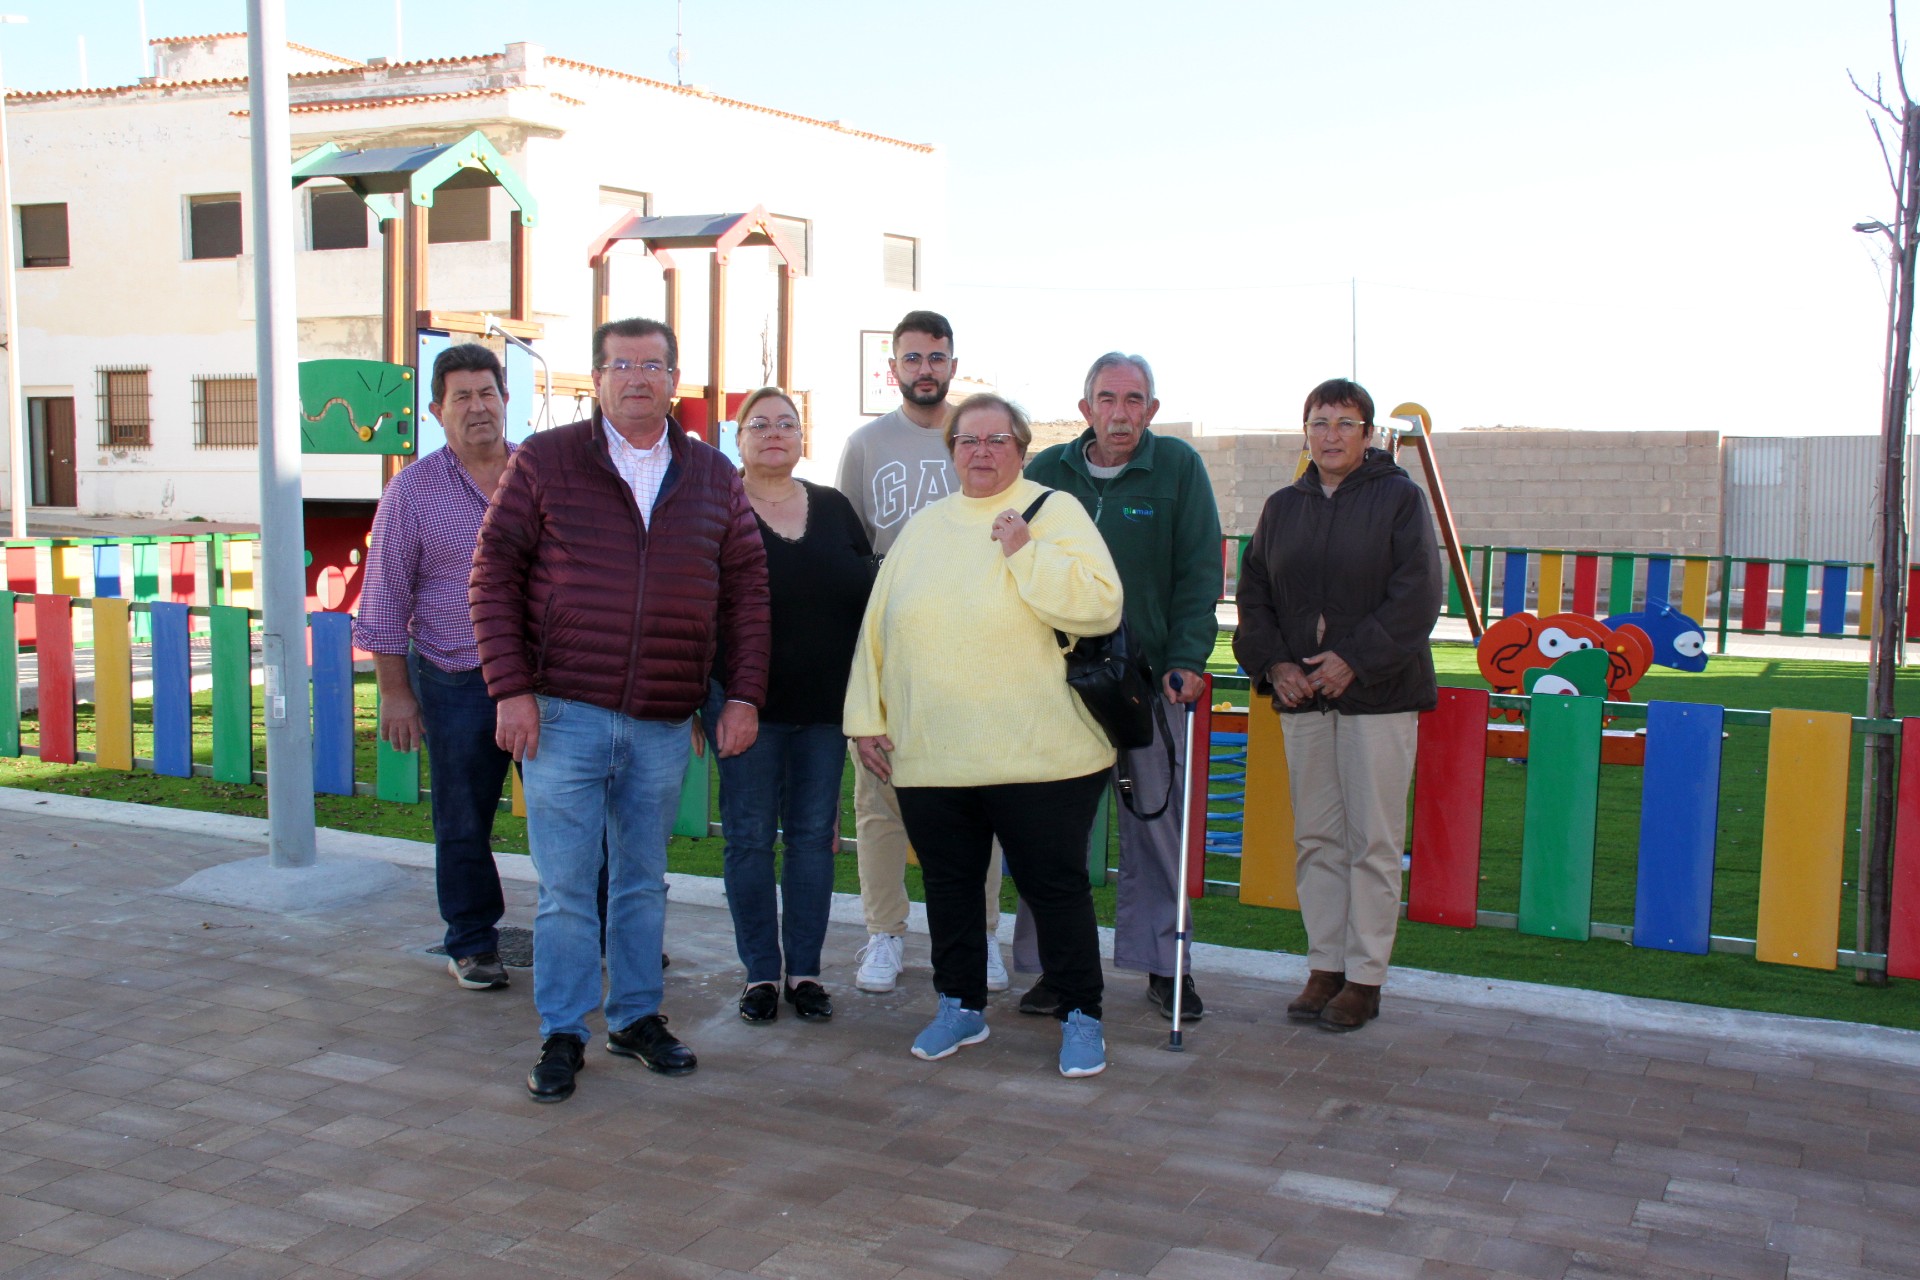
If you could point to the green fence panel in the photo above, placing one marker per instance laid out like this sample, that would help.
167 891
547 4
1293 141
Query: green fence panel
232 695
1097 841
1793 600
1620 587
9 679
1456 608
1563 798
146 587
696 798
396 774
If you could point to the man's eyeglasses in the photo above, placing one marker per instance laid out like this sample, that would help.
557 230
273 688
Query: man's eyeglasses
772 426
998 440
652 368
1334 426
937 362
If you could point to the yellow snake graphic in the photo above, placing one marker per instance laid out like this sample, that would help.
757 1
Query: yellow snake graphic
365 433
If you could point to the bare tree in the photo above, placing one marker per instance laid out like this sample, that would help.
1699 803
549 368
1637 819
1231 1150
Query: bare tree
1881 781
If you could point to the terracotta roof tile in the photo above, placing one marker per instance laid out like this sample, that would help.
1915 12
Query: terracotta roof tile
388 100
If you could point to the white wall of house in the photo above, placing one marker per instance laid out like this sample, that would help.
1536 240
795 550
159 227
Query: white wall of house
126 161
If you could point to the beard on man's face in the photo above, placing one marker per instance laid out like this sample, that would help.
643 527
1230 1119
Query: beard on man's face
921 394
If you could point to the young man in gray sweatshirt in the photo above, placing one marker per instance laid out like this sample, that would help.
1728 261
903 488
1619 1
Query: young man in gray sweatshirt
892 467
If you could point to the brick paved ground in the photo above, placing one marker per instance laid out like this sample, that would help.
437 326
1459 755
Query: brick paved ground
189 1090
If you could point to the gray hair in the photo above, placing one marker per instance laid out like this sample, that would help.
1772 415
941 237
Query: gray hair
1111 359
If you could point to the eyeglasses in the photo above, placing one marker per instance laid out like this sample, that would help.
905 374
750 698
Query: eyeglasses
1336 426
652 368
998 440
936 362
774 426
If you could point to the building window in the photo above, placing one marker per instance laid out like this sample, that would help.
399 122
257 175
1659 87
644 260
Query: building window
900 265
43 235
464 213
126 418
226 414
213 226
615 201
798 233
336 219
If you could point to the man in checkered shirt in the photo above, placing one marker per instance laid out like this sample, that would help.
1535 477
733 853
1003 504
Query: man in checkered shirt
415 621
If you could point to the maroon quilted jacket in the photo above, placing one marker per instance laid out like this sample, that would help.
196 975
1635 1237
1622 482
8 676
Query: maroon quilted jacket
573 596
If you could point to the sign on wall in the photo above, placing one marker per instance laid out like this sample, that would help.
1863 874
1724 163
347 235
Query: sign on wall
879 392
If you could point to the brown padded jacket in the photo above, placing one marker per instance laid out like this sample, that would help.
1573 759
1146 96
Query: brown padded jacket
575 597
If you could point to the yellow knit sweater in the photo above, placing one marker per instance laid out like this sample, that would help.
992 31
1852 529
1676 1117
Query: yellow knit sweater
957 661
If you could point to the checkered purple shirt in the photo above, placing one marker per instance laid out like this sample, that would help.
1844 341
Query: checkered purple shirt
421 554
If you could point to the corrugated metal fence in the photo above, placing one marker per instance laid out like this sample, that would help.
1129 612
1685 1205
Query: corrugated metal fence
1804 498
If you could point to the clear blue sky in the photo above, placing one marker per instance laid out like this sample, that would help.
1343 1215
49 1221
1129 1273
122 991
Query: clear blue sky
1634 214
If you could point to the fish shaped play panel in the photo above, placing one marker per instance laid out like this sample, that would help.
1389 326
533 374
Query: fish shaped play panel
356 406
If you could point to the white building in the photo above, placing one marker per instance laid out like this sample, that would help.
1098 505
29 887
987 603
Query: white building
136 289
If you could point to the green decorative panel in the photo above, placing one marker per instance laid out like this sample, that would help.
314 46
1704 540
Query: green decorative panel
356 406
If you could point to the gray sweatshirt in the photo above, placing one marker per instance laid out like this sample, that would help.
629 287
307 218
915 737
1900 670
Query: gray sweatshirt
893 467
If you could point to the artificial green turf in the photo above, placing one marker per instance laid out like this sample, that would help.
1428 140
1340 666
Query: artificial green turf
1718 979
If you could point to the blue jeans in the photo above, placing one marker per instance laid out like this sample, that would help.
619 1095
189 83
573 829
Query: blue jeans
599 779
468 771
788 780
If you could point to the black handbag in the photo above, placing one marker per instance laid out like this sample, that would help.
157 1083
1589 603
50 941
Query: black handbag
1115 685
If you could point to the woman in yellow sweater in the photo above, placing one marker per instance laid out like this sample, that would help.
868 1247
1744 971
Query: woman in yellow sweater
959 696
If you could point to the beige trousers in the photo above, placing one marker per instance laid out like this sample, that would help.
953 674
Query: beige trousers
1349 777
883 855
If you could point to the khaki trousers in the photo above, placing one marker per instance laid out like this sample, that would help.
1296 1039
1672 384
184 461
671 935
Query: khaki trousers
1349 776
883 855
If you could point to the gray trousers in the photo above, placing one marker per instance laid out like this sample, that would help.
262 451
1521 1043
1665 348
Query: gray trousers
1144 900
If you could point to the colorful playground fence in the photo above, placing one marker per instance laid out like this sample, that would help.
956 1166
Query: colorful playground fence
1804 833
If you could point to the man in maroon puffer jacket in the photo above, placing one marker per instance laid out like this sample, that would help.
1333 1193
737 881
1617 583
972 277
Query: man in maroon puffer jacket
618 553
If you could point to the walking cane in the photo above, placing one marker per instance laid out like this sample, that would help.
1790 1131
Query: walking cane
1182 913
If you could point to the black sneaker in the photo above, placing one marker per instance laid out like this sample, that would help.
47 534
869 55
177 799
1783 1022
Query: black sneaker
649 1040
483 972
760 1003
551 1079
1160 993
810 1001
1040 999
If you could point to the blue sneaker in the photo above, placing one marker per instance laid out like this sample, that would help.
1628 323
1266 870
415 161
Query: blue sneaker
952 1027
1083 1050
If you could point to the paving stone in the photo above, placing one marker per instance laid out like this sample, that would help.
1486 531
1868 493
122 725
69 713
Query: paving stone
242 1111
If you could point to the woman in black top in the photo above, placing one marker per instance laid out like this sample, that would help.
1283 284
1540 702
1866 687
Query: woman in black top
819 571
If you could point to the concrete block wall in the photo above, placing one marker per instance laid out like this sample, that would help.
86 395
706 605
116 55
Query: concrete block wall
1579 490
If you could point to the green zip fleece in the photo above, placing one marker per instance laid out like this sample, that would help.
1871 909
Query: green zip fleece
1163 528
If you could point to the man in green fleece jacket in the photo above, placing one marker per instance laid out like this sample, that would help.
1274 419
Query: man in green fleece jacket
1154 505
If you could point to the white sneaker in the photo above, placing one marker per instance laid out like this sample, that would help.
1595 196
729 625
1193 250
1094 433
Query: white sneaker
996 968
880 962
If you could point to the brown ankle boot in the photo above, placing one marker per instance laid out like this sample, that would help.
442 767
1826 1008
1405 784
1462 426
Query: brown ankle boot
1356 1004
1322 986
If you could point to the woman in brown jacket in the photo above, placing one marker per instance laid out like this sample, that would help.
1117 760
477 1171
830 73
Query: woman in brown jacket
1338 594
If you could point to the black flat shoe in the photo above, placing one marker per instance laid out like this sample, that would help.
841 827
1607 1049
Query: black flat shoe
759 1003
649 1040
551 1079
810 1001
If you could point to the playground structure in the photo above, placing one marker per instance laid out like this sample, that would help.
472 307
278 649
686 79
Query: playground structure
718 234
1803 847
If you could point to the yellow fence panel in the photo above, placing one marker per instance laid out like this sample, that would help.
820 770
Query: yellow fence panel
1803 841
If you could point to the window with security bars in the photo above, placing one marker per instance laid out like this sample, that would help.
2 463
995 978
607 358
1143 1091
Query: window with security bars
126 415
798 233
900 262
226 414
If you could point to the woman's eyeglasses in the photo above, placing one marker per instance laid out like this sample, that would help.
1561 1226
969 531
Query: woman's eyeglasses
772 426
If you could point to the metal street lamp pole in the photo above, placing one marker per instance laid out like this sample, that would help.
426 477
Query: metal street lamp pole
16 403
290 837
